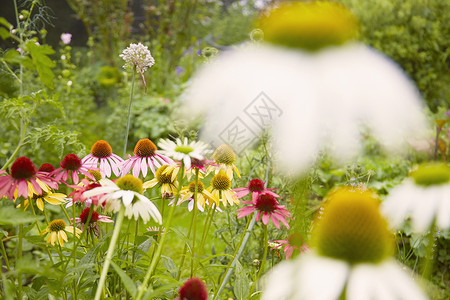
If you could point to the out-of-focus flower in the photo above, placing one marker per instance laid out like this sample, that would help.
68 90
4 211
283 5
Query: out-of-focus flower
267 208
320 89
72 164
47 168
294 242
127 191
351 250
95 217
183 150
255 187
145 156
225 157
24 180
57 229
220 189
179 70
424 197
101 152
137 55
166 177
66 38
193 289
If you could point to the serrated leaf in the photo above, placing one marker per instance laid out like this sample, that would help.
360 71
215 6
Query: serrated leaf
126 280
43 63
14 216
13 57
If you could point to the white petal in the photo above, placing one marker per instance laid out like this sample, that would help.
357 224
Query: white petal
128 198
279 283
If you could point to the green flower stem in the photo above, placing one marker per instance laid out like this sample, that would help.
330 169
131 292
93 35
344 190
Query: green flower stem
429 259
5 256
237 254
143 287
263 262
210 209
74 257
19 258
129 113
207 226
133 259
185 249
110 253
40 231
195 221
23 130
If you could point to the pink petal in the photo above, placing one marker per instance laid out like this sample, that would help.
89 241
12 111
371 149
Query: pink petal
137 168
289 250
265 218
241 194
275 221
105 168
22 188
151 164
245 212
282 219
75 177
144 167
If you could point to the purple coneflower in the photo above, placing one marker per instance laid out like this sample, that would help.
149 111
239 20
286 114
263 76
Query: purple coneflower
101 152
255 187
72 164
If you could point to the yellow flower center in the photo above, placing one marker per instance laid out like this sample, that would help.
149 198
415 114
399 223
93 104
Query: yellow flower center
351 228
184 149
130 183
97 175
431 174
200 187
220 181
101 149
57 225
145 148
163 177
224 154
308 25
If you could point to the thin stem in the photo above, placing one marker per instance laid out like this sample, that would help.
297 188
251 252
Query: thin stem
18 258
40 231
185 249
263 262
195 221
129 113
429 259
23 129
5 256
110 253
142 288
237 256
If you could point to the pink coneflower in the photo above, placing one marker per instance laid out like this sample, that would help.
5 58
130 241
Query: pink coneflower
47 168
94 219
267 206
78 197
193 289
101 152
72 164
24 180
145 157
294 242
255 187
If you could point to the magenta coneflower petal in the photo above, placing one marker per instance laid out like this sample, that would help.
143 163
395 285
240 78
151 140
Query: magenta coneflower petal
242 193
289 250
137 167
22 189
282 219
275 221
265 218
245 211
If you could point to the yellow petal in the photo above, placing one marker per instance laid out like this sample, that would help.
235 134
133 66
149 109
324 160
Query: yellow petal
61 238
150 183
63 234
53 238
40 204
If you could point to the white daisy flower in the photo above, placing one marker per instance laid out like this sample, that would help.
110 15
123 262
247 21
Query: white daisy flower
127 191
182 150
316 93
351 256
424 198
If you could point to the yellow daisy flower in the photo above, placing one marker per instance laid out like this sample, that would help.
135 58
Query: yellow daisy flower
221 184
48 196
225 158
165 176
202 193
57 229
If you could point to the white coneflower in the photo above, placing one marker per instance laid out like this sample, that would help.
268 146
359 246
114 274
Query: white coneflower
137 55
321 88
350 256
424 197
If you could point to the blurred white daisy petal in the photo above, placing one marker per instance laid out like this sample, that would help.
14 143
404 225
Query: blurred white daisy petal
424 198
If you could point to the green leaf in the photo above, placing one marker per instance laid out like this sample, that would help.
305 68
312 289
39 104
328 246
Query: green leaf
152 294
5 23
242 283
14 216
126 280
89 257
43 63
4 34
14 57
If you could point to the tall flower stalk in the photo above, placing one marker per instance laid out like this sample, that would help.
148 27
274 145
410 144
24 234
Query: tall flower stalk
139 57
